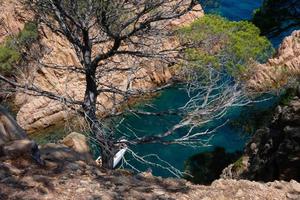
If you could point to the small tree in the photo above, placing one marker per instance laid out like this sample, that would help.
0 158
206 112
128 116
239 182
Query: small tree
98 30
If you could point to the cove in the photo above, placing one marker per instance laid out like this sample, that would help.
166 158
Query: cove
231 138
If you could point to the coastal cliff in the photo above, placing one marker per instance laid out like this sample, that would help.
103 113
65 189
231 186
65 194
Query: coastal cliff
273 152
278 70
69 172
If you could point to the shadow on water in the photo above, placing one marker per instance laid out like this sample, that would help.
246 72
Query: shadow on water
204 168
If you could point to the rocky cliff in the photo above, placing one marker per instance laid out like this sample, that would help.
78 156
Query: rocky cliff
279 69
273 153
40 112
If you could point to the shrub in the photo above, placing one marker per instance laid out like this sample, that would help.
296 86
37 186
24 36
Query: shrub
12 49
28 35
219 42
8 57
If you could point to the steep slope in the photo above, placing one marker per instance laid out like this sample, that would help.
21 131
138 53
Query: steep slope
68 172
273 153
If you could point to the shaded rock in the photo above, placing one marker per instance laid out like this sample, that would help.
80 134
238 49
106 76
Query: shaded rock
18 148
274 151
13 139
9 129
206 167
235 170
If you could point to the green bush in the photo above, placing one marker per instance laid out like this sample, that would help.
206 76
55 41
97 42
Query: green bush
8 57
219 42
13 47
28 35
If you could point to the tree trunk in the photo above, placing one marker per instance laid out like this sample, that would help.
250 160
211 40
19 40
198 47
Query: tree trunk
107 147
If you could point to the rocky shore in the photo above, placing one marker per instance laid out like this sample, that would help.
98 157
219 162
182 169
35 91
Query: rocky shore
280 69
36 113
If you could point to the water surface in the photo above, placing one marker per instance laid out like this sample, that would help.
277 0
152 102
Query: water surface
229 137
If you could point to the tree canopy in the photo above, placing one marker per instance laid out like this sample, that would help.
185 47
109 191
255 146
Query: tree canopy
221 43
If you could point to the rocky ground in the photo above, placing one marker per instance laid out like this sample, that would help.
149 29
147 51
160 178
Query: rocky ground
67 175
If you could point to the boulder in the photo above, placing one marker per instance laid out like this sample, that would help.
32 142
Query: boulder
9 129
79 143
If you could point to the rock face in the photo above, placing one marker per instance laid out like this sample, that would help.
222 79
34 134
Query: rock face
274 152
278 70
66 176
39 112
10 20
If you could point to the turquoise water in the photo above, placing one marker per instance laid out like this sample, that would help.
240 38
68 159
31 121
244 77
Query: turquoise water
236 10
232 139
228 137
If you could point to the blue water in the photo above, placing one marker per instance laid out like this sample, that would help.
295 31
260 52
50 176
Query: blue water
236 10
276 41
232 139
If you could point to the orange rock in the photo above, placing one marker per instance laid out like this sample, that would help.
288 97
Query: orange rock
278 70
